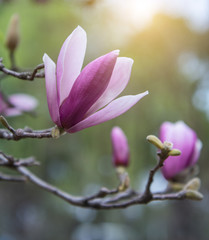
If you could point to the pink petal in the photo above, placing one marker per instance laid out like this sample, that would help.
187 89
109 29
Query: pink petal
23 102
113 110
11 112
88 87
119 80
51 89
70 61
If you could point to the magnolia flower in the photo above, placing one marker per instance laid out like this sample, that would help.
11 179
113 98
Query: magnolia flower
17 104
81 99
184 139
120 147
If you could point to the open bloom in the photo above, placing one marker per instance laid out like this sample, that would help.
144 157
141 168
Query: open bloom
16 104
120 147
184 139
81 99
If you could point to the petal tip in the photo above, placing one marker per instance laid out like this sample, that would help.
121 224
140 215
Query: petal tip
128 60
44 57
144 93
80 29
116 52
131 60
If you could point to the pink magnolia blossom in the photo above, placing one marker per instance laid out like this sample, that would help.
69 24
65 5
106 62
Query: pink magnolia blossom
120 147
81 99
184 139
16 104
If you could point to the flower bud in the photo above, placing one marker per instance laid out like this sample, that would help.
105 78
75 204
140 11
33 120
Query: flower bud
57 132
120 147
174 152
4 121
193 184
194 195
13 35
155 141
184 139
175 186
167 146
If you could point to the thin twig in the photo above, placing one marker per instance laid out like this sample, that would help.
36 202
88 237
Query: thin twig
103 192
12 134
9 178
30 76
10 161
21 134
163 155
129 193
151 177
34 73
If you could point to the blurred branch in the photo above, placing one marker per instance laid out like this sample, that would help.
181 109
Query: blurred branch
162 156
25 133
12 134
30 76
10 161
100 200
9 178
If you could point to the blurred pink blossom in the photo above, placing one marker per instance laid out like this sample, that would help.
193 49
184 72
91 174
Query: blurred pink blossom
120 147
184 139
16 104
81 99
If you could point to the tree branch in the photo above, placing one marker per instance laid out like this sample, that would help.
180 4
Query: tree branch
162 156
103 199
25 133
10 161
151 178
29 76
12 134
9 178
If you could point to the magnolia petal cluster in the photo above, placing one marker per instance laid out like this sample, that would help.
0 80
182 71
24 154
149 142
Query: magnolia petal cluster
120 147
81 99
16 104
184 139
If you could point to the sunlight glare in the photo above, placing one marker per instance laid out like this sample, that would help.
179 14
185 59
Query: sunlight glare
138 13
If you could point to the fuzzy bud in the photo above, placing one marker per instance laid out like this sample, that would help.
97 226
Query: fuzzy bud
57 132
193 184
167 146
13 34
155 141
174 152
4 121
194 195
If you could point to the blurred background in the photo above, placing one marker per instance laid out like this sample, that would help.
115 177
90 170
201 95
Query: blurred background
169 42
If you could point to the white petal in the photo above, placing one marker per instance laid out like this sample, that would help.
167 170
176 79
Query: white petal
113 110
